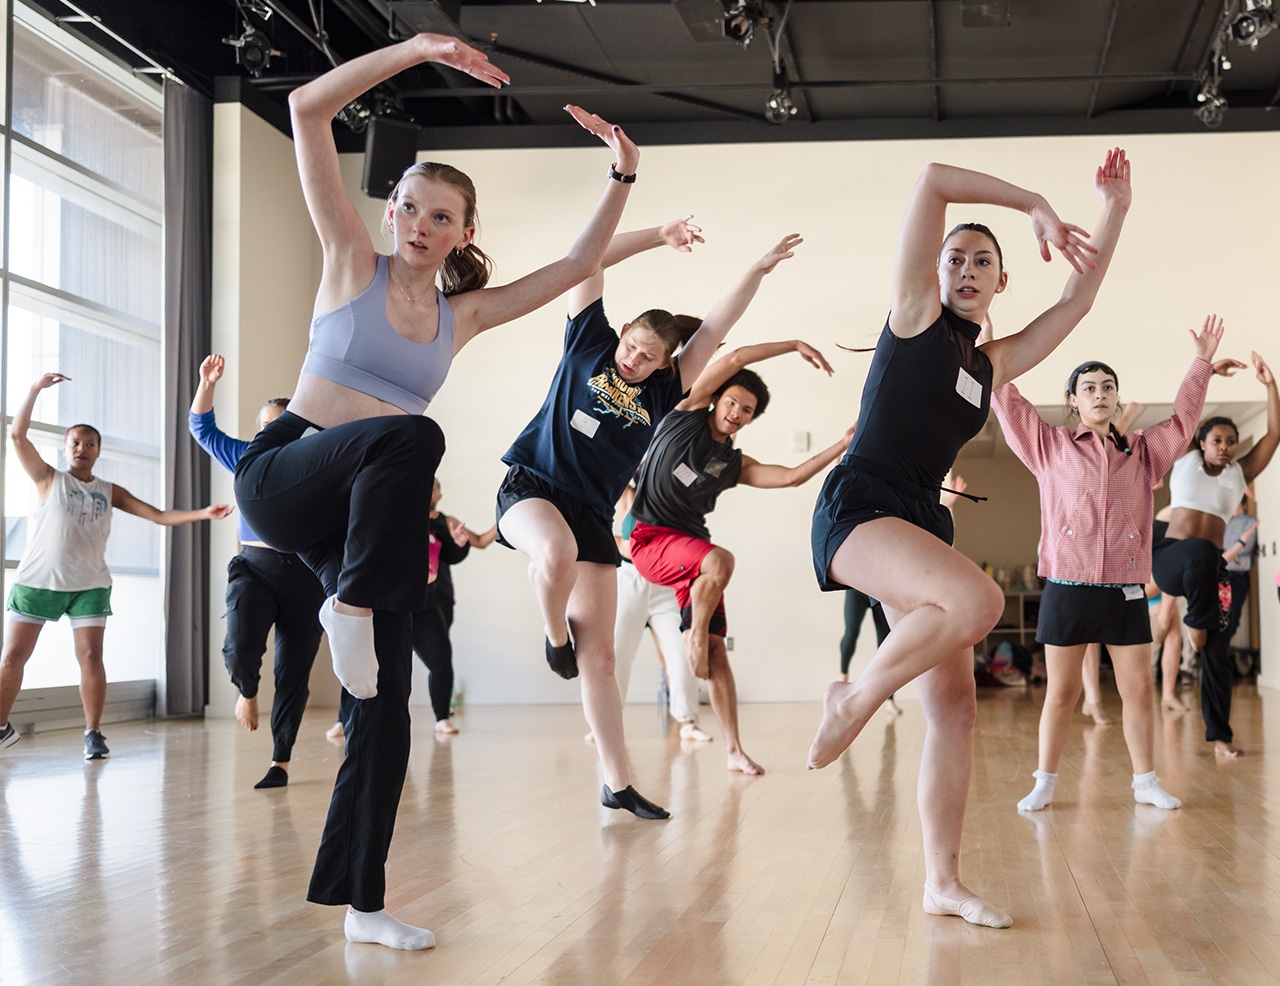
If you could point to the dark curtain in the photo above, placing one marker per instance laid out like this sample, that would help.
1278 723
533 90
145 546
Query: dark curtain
188 273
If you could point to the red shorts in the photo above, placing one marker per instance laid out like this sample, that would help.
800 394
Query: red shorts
665 556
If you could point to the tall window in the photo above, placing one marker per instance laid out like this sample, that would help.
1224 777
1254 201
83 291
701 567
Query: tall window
85 289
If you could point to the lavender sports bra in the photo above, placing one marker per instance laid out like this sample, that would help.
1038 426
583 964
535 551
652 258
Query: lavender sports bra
355 346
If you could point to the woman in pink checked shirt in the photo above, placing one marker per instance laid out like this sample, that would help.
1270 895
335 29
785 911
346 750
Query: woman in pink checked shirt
1095 547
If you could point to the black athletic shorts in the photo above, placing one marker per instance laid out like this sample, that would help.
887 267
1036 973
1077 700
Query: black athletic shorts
852 495
1071 615
592 532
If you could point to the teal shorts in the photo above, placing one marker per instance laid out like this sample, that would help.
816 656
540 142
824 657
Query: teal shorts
50 604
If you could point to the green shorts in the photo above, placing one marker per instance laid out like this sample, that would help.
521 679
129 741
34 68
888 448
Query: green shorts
50 604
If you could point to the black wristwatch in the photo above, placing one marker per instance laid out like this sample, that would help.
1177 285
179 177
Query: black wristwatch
617 175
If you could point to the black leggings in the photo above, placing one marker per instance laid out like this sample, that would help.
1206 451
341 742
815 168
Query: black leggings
1191 567
266 588
353 502
431 644
856 605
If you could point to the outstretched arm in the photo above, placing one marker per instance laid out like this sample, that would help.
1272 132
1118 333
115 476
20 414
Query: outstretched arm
1241 545
211 370
41 472
679 234
483 539
476 311
714 376
770 477
1014 355
726 312
348 250
917 301
1261 453
122 499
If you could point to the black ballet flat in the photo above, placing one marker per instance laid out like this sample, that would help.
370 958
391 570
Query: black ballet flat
634 802
275 777
562 659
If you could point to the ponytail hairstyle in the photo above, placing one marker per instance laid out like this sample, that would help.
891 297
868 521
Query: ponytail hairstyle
673 331
1208 425
468 269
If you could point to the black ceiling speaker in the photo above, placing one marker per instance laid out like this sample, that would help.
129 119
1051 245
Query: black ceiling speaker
390 146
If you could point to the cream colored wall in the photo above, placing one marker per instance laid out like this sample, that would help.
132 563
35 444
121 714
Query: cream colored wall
1188 249
265 268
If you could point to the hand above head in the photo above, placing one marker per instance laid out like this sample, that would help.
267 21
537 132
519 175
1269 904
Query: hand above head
815 359
680 234
782 251
1228 367
1069 240
1265 375
48 380
218 511
1206 340
444 50
626 154
212 368
1112 180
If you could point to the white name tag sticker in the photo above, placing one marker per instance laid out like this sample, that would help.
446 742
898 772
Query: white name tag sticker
585 423
969 388
1132 592
685 474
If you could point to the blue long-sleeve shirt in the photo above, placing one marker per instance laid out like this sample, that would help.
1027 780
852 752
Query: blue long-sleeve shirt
224 450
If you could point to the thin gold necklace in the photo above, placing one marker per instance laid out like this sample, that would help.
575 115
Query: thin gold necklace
407 297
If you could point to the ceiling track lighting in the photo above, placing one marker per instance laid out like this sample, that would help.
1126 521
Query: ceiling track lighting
740 21
253 50
1244 23
780 107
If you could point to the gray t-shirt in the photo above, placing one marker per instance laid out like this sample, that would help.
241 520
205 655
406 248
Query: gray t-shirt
683 472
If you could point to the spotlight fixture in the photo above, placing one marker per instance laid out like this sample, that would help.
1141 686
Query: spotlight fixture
1254 20
1213 106
741 20
780 108
253 50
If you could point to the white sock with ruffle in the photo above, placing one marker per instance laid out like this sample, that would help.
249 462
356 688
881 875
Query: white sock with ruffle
1147 791
1041 795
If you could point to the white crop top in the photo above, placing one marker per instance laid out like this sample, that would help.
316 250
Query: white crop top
1193 488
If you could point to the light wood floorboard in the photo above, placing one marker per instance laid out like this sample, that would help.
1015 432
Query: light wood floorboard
162 865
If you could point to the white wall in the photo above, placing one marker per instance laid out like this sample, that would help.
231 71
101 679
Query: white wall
1191 246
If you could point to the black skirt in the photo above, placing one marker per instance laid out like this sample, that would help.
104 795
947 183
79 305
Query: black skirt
1071 615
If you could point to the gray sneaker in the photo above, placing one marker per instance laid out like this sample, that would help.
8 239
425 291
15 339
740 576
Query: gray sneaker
9 736
95 745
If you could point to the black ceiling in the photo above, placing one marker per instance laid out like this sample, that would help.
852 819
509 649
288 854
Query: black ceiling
856 69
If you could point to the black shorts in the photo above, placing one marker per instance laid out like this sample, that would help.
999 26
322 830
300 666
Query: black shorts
1071 615
592 532
852 495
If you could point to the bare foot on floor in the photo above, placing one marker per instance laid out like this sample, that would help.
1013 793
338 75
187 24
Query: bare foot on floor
1226 751
247 712
692 731
1094 712
891 708
1171 704
335 733
840 725
739 761
445 727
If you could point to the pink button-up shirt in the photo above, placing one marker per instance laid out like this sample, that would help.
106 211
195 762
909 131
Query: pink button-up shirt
1095 501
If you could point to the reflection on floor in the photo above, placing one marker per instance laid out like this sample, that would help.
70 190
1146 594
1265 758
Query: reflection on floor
164 865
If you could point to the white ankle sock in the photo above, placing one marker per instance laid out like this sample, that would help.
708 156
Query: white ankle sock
380 928
1147 791
1042 794
351 646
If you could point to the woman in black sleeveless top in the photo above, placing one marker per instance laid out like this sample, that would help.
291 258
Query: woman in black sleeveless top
879 527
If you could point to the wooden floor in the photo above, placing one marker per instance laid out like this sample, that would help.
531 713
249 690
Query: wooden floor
163 865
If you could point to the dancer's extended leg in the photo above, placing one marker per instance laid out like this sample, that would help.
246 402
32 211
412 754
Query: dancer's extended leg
948 698
1064 666
724 702
1133 679
947 603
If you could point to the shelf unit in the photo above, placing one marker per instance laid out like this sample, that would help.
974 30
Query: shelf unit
1018 621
